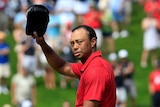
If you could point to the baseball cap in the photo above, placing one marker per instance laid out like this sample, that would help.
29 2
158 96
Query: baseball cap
37 19
112 56
123 53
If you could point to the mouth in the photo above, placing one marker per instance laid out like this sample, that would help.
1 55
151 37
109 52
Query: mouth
76 54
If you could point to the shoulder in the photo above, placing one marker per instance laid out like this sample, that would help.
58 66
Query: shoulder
16 77
100 68
100 63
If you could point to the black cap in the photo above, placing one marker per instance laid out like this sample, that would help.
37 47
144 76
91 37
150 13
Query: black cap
37 19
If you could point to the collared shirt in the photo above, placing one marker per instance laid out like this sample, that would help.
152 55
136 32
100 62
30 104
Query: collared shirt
96 81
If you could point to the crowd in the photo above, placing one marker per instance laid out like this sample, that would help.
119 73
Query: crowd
109 19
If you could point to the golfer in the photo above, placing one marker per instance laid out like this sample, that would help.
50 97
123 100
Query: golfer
97 83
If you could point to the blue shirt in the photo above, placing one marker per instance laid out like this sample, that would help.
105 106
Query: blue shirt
4 58
21 18
53 28
116 5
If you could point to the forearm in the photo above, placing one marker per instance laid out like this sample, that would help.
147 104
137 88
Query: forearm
34 94
54 60
5 51
13 99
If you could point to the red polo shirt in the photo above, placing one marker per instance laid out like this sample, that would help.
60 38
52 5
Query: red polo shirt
96 81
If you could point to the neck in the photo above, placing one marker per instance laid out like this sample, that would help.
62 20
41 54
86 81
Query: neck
83 60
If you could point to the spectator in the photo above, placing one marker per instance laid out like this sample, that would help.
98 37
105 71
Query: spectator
29 56
93 18
154 86
4 18
11 10
4 63
23 89
153 6
128 70
80 8
19 32
113 58
117 9
128 11
107 21
120 88
150 40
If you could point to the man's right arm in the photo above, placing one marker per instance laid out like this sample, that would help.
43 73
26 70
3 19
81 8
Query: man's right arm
54 60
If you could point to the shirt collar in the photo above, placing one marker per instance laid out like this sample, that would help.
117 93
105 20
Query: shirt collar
91 57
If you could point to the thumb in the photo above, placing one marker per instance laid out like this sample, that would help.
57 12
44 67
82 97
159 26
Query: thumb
35 34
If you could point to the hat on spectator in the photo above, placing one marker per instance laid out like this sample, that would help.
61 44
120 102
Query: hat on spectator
123 53
112 56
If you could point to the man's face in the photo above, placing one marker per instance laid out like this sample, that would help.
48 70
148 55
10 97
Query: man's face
80 44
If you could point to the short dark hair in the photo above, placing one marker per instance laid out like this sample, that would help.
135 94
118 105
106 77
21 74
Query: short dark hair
91 32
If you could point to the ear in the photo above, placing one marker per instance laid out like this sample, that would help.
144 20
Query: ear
93 42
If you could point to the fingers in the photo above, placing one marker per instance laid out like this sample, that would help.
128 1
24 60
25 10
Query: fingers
35 35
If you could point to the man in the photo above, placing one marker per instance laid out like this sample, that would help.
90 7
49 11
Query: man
23 88
97 84
120 88
154 86
127 68
5 71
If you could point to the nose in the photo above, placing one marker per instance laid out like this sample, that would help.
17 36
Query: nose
75 46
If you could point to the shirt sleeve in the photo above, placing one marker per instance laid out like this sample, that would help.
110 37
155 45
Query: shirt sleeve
76 68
